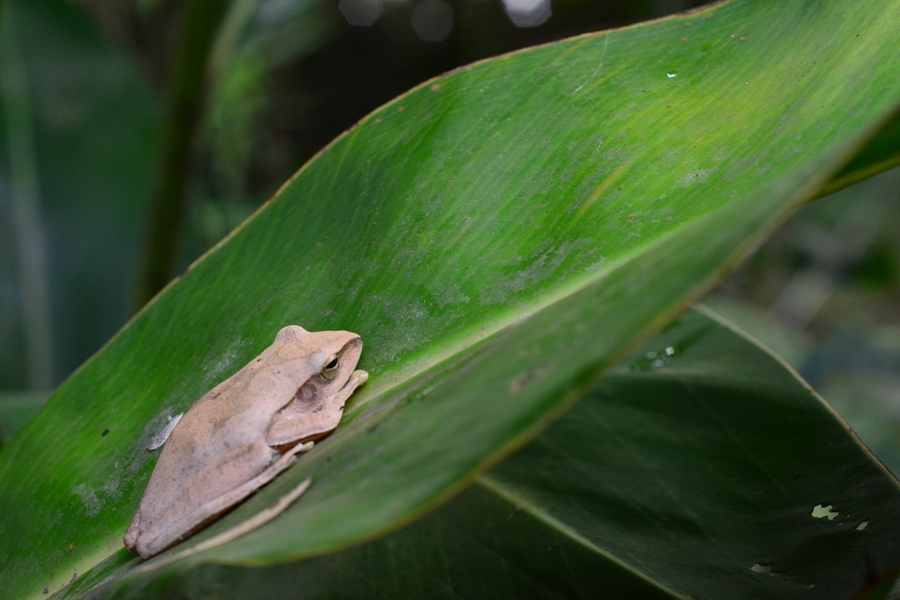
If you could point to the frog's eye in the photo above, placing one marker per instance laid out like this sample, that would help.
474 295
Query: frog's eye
330 370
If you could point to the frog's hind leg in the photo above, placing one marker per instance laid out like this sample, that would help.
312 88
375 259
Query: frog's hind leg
252 464
133 531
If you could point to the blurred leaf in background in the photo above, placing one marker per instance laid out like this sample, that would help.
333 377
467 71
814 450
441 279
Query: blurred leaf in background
824 292
79 125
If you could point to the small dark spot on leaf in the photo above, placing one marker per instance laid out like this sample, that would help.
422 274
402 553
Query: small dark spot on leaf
105 431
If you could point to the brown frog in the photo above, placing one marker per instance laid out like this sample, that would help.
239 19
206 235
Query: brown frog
244 432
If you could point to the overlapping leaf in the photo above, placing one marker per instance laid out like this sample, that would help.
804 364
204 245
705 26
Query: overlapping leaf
700 439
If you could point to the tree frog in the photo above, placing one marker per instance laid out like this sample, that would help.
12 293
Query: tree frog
244 432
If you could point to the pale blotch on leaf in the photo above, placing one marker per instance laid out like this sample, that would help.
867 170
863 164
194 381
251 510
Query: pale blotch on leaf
824 512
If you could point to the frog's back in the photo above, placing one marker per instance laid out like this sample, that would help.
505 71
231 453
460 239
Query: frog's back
235 413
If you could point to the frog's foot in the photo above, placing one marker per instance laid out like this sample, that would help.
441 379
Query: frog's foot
131 535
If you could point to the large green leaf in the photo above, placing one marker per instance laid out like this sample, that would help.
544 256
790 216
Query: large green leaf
702 438
498 236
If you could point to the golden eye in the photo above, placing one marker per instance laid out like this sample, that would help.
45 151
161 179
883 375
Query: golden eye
330 370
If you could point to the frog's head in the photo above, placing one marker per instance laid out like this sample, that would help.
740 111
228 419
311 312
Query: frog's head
331 358
331 354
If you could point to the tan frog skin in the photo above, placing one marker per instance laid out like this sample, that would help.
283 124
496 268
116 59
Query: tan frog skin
244 432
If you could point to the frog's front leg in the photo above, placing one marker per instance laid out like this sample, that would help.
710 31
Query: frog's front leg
225 482
303 420
305 427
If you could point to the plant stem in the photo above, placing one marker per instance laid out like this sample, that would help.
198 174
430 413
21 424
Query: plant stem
184 114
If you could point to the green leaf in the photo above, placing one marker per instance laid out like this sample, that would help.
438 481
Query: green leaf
499 237
714 471
693 470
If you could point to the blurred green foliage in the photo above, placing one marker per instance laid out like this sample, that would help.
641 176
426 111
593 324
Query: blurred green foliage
92 129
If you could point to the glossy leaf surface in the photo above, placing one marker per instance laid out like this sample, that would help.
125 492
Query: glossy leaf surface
499 237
